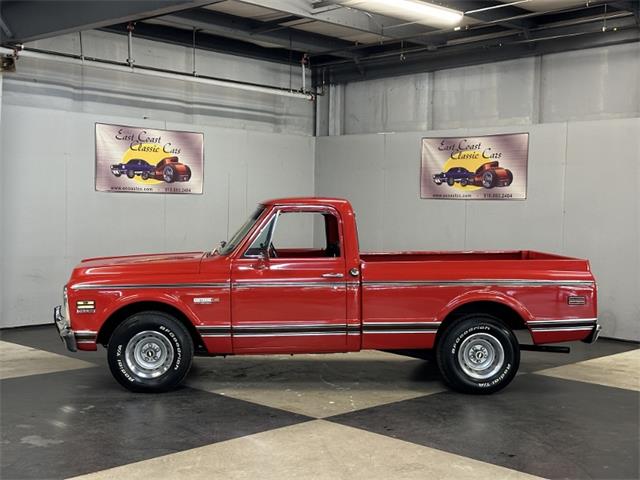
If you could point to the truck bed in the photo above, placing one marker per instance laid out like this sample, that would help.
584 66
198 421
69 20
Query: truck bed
424 287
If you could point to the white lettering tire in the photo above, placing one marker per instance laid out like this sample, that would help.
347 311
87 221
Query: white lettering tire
150 352
478 354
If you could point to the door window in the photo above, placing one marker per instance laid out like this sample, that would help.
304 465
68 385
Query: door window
299 234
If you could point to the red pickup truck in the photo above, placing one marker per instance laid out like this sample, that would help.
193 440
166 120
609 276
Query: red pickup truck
292 280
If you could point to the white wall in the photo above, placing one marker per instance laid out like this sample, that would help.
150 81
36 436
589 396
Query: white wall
2 202
50 84
257 146
599 83
582 110
50 217
53 217
582 200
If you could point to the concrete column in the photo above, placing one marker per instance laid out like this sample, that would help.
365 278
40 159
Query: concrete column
336 109
3 202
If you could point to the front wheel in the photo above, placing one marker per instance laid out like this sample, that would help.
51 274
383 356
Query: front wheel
150 352
478 354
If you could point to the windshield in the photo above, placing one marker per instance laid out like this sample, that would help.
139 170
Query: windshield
240 234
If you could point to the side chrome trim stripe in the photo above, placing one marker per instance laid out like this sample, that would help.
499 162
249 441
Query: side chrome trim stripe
401 324
86 336
562 325
283 284
430 331
480 283
564 329
94 286
287 330
561 320
319 284
289 334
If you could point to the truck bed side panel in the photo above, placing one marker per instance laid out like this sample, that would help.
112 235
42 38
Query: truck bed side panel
404 302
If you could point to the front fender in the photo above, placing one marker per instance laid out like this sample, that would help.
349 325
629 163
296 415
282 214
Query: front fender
125 300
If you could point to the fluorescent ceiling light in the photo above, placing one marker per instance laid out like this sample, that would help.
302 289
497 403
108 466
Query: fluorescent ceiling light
411 10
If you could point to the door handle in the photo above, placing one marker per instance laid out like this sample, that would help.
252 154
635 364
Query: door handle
332 275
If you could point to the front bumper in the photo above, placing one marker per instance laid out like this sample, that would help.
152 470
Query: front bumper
593 336
67 335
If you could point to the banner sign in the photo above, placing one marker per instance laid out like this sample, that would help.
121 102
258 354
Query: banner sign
492 167
145 160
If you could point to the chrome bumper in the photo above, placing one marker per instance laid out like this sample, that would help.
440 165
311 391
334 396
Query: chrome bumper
593 336
67 335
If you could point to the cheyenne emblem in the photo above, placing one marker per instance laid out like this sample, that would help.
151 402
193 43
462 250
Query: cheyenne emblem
205 300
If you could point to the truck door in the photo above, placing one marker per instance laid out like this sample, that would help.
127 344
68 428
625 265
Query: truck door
289 284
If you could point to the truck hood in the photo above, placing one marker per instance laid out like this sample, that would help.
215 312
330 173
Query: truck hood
173 263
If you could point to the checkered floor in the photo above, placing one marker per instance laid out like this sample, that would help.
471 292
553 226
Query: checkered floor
366 415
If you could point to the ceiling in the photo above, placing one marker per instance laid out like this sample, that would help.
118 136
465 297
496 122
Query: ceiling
345 40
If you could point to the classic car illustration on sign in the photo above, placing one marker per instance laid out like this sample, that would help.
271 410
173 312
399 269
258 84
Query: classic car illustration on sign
133 167
453 175
146 160
473 167
171 170
262 292
490 175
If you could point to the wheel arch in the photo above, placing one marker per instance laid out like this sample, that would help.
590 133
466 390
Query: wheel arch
511 313
116 317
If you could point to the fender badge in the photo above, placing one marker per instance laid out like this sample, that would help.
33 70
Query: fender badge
85 306
205 300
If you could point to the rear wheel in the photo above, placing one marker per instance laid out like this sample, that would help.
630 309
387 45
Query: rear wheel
145 175
150 352
488 179
478 354
168 174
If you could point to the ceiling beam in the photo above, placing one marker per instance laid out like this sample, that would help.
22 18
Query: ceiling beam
542 42
28 20
345 17
275 24
205 41
632 6
493 12
241 28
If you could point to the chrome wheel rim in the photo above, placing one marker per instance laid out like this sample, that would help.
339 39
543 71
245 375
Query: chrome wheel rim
481 356
149 354
488 179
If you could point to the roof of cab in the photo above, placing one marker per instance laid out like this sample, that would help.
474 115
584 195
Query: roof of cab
306 201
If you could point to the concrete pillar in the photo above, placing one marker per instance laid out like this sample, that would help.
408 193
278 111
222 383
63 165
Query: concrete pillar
336 109
3 202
